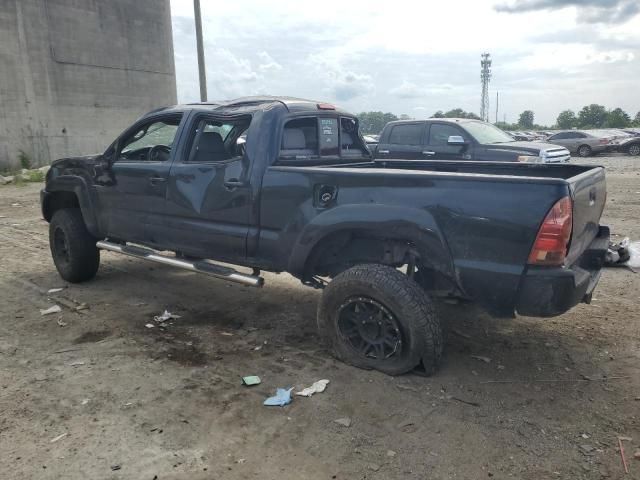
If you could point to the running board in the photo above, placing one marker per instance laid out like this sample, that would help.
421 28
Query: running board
217 271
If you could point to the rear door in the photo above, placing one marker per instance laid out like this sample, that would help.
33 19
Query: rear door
436 146
404 142
209 195
562 139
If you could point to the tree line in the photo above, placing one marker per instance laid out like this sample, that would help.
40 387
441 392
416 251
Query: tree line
590 116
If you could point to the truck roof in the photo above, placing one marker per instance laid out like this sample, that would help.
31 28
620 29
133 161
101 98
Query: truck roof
255 104
449 120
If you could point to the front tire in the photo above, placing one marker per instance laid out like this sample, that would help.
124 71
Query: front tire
584 151
634 149
375 317
73 248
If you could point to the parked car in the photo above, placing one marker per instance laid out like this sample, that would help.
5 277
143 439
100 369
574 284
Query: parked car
460 139
630 145
519 136
581 142
301 195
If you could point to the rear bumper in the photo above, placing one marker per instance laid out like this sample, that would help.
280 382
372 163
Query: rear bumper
547 292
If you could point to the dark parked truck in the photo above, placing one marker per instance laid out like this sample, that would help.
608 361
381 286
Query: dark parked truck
461 139
287 185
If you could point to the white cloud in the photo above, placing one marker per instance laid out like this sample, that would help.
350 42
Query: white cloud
367 56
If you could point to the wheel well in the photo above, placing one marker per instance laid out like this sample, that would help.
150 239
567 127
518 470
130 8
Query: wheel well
58 200
341 250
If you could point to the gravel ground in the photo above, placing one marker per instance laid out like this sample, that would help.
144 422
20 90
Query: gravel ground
95 394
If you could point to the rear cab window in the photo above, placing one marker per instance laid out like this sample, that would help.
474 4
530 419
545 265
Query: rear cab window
313 139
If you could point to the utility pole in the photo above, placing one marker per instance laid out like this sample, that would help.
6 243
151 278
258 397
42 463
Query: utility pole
497 103
485 76
200 46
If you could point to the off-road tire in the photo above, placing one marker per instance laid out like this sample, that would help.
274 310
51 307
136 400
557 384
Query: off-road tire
73 248
411 307
584 151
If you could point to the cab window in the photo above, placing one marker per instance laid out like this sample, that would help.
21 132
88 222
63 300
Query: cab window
217 140
150 142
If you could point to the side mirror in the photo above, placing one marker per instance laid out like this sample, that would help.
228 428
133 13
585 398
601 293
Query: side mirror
456 140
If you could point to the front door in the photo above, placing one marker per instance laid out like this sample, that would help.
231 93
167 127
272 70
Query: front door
134 186
209 195
437 147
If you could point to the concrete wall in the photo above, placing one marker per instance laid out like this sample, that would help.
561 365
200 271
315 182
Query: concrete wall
75 73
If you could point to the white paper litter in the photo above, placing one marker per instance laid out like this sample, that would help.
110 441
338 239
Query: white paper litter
634 255
76 364
59 437
167 315
150 325
50 310
61 323
55 290
317 387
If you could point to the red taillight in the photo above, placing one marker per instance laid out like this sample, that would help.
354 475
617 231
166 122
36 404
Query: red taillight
552 241
326 106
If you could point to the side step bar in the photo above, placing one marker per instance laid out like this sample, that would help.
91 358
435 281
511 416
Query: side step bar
200 266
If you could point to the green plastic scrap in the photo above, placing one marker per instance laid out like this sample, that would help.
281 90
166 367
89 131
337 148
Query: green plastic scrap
251 380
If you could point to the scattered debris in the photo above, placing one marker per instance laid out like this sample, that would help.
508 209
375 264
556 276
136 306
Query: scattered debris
61 323
391 453
624 460
16 204
584 435
55 290
473 404
317 387
59 437
166 315
280 399
227 334
251 380
345 421
50 310
150 325
241 460
85 401
259 347
481 358
623 254
115 468
374 466
76 364
637 455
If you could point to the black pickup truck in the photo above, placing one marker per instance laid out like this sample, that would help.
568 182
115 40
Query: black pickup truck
461 139
288 185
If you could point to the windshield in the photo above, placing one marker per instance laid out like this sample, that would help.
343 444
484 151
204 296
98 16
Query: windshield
487 133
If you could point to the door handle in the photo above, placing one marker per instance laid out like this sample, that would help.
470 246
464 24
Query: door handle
428 152
157 180
383 152
233 183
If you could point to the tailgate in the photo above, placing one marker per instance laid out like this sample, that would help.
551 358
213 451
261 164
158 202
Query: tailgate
589 192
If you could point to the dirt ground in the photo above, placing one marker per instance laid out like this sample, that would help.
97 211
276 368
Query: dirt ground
150 403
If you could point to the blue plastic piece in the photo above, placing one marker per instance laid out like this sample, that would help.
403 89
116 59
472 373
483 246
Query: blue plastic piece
281 398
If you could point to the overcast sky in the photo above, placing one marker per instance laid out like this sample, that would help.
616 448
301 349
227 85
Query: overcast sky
417 57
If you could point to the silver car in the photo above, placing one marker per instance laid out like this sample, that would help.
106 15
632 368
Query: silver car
581 142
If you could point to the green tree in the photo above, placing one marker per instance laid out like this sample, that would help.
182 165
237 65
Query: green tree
455 113
567 119
636 120
526 119
592 116
438 114
374 122
618 118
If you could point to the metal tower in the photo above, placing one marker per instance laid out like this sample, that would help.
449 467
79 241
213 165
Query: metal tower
485 76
